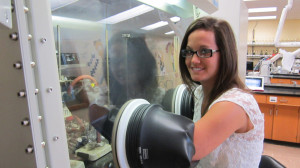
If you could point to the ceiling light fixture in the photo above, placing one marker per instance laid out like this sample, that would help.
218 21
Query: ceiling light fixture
155 25
261 17
268 9
131 13
175 19
170 32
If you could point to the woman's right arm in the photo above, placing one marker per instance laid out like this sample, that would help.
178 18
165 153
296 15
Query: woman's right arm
221 121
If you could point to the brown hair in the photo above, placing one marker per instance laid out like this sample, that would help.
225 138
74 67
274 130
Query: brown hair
228 71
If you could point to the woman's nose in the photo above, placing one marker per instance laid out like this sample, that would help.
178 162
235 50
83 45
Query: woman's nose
195 58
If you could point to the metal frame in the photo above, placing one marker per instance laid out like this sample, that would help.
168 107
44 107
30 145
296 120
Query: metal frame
47 81
31 94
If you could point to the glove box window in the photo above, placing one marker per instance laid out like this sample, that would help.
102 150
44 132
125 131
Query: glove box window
102 65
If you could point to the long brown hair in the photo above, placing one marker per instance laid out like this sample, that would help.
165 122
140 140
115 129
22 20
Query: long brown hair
227 77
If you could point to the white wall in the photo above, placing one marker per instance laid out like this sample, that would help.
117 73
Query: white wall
236 13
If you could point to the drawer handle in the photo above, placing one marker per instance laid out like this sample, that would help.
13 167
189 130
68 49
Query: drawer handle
283 101
270 112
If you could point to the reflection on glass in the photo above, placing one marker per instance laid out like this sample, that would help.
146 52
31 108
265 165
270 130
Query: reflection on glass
132 70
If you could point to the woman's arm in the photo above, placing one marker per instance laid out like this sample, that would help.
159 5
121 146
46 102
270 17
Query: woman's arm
221 121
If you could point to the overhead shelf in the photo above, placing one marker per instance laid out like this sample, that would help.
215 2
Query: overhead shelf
261 44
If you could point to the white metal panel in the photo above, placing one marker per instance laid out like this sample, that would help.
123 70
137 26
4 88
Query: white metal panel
29 82
209 6
5 13
47 81
15 126
238 20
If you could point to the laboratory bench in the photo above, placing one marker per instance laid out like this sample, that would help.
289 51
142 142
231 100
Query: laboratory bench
280 104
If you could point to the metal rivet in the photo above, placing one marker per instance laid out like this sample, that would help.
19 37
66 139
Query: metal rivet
21 94
43 144
36 91
12 8
26 9
29 149
17 65
32 64
50 89
40 118
25 122
43 40
55 138
14 36
29 36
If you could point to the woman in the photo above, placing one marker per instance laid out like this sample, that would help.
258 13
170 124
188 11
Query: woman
229 127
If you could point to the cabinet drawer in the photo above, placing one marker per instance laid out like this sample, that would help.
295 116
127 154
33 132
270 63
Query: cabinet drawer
260 98
295 80
280 80
283 100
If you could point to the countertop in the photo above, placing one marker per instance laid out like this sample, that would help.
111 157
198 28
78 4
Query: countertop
281 89
286 76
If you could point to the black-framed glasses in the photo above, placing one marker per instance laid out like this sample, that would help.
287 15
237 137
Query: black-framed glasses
201 53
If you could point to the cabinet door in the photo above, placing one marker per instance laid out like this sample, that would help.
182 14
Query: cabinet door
285 124
267 110
260 98
298 136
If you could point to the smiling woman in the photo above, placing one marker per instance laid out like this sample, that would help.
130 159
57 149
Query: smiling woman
229 127
204 67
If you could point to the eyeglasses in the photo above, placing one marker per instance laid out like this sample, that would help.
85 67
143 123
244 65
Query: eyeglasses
201 53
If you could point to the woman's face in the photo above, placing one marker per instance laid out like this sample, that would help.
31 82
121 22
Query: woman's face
203 70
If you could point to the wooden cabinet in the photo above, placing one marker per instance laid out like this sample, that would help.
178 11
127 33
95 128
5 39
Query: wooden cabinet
267 110
295 80
283 100
260 98
285 81
285 123
280 80
298 135
282 118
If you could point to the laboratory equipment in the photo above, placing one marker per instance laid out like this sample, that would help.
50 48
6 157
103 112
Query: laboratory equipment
144 135
140 132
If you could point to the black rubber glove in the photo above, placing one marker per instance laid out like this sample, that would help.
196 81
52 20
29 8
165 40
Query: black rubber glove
162 139
102 119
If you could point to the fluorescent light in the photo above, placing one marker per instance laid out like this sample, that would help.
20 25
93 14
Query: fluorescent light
268 9
170 32
175 19
161 23
261 17
155 25
136 11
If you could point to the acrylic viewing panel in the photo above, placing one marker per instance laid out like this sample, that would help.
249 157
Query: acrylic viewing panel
108 64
